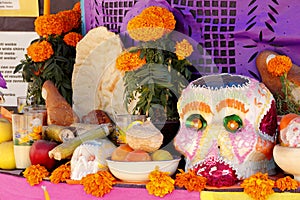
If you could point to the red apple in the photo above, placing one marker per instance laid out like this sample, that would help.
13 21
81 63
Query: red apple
39 153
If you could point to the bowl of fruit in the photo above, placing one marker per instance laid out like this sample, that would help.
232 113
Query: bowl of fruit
131 165
286 153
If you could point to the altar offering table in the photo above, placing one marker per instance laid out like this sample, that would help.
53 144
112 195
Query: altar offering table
16 187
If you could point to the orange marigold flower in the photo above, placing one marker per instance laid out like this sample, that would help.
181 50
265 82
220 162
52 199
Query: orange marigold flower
286 183
258 186
34 174
279 65
144 29
76 7
183 49
72 38
190 181
151 24
160 183
61 173
40 51
128 61
71 18
167 17
98 184
49 25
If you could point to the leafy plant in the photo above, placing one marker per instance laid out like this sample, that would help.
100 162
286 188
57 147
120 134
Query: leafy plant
156 69
158 84
58 69
52 55
286 103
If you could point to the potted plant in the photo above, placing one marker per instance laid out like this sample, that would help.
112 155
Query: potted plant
52 55
156 68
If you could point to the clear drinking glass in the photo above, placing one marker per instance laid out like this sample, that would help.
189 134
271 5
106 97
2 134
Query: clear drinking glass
26 128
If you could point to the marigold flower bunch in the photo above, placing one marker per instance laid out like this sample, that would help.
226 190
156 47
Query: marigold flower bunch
72 38
129 61
61 173
98 184
40 51
52 55
286 183
35 174
279 65
190 180
183 49
156 65
160 183
258 186
151 24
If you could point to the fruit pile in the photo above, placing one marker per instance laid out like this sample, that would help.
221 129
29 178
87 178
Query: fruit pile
143 143
125 153
289 130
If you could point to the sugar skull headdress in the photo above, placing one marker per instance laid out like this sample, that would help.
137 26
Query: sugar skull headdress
228 128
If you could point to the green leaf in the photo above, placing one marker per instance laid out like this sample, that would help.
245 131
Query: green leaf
18 68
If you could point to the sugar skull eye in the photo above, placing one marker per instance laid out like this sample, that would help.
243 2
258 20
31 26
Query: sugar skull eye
196 122
232 123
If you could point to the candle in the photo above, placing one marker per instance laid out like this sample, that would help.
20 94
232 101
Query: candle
46 7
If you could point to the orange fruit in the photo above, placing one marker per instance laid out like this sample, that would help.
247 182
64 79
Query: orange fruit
138 155
286 119
120 153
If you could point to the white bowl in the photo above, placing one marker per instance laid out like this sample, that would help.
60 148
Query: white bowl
139 171
288 159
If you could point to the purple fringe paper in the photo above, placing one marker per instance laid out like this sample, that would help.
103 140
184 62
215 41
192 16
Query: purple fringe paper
230 33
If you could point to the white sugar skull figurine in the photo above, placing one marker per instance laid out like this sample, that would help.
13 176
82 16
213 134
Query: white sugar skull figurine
228 127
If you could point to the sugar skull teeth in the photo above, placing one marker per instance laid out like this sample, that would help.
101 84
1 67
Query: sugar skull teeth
217 172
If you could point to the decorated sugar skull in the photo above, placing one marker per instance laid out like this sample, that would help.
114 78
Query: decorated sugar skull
228 128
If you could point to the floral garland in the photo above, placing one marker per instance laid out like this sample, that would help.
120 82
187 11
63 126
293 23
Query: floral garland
258 186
